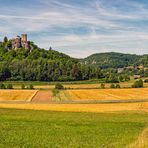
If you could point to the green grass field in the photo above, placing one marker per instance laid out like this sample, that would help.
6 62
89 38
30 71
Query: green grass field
37 129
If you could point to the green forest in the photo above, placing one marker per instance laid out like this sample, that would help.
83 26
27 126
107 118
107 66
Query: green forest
50 65
116 60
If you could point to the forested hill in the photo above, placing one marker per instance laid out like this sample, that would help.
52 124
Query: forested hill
36 64
35 54
115 60
41 65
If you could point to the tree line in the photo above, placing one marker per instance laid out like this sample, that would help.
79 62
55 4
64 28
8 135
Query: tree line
50 65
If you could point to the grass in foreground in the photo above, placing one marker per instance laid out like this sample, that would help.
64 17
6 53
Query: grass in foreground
26 128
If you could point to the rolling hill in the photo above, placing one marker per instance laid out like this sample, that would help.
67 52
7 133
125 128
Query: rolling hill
115 60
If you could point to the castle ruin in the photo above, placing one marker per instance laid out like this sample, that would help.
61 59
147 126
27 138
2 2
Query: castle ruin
20 42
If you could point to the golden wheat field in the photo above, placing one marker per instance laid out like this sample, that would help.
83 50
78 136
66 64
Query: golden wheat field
17 95
113 107
107 85
105 94
86 86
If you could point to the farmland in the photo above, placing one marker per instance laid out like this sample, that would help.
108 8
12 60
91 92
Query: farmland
93 108
37 118
29 128
17 95
105 94
93 84
76 95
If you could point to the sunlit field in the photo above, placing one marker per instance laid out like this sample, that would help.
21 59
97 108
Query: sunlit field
71 85
105 94
27 128
96 108
17 95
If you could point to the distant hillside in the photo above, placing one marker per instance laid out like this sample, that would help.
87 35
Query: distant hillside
22 60
20 63
115 60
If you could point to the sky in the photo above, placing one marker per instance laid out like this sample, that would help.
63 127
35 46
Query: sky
78 27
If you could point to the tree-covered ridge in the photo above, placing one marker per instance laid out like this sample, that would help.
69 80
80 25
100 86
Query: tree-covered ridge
41 65
36 53
49 65
116 60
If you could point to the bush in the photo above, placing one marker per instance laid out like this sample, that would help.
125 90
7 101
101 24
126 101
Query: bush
30 86
55 92
59 86
112 86
23 86
138 84
118 86
9 86
2 86
112 79
103 86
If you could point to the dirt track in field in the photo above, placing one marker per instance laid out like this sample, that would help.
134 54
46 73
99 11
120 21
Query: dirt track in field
42 97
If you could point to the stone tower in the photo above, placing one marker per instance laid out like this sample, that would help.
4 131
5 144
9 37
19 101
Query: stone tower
24 41
21 42
24 37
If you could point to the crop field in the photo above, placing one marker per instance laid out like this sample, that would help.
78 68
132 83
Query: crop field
71 85
107 85
17 95
27 128
92 108
85 86
105 94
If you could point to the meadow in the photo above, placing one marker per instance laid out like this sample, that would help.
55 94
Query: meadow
87 84
27 128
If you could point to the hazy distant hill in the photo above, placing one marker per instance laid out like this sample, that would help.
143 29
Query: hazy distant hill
115 60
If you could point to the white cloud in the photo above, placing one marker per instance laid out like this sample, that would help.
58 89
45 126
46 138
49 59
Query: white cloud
116 32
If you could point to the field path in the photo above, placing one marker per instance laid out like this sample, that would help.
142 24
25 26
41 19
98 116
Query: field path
42 97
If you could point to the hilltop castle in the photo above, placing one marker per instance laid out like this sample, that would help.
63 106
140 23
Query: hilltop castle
19 42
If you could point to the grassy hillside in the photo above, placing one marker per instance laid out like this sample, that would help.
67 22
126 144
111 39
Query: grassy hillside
24 128
115 60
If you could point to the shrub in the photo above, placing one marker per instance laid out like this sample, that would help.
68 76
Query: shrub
30 86
118 86
9 86
2 86
138 84
112 86
112 79
102 85
59 86
55 92
23 86
146 80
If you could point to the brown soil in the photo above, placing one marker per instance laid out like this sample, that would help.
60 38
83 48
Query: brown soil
42 97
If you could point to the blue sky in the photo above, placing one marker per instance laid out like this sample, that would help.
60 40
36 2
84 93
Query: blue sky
79 27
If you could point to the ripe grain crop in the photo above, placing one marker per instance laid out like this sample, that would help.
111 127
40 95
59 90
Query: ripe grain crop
17 95
108 94
113 107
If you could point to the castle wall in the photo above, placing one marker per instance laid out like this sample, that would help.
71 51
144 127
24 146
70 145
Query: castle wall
20 42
